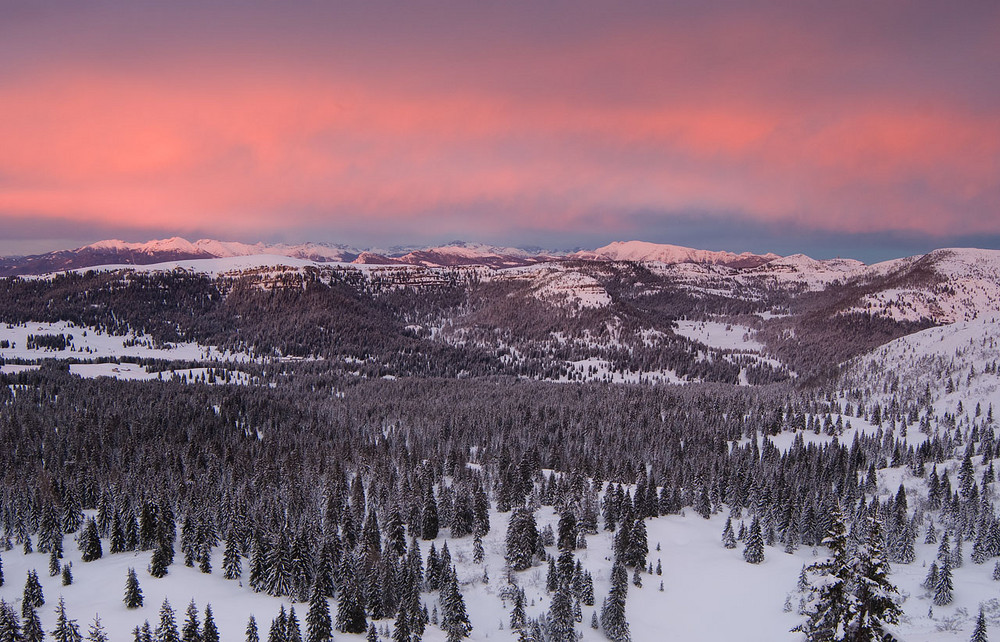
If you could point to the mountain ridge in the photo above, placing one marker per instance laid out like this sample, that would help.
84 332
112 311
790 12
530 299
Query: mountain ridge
451 254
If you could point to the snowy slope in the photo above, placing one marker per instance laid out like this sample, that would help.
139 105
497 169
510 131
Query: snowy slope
799 269
91 343
945 286
665 253
927 360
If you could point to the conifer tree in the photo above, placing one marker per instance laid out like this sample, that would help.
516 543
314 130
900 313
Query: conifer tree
191 629
279 627
351 616
90 542
66 629
454 618
753 552
827 610
522 539
293 633
166 631
401 627
874 600
251 632
209 632
930 582
205 558
32 597
429 516
96 633
133 594
728 536
319 627
979 633
613 619
159 562
518 617
67 574
944 586
32 631
54 565
232 563
10 626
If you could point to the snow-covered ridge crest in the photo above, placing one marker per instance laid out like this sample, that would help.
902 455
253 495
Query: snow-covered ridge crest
225 249
665 253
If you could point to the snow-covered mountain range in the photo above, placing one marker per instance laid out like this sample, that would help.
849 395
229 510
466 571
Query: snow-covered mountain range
116 252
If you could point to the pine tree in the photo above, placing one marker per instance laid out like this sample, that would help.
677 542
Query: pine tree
205 558
518 617
932 577
90 542
454 618
477 549
32 631
293 633
728 536
318 623
874 604
753 552
191 630
944 587
827 610
429 516
133 594
401 627
613 618
561 618
251 633
351 616
33 597
567 530
66 629
159 562
167 629
97 632
67 574
54 565
10 626
979 633
232 563
279 627
209 632
522 539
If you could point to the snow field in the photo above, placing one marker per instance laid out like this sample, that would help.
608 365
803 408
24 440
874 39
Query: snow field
90 343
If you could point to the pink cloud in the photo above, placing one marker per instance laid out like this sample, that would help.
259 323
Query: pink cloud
755 120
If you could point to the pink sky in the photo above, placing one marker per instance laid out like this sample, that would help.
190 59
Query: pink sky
591 121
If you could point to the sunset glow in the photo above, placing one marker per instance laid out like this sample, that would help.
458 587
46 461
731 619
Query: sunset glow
337 122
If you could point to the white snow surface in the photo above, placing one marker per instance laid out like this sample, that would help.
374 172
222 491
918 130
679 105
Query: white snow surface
91 343
573 288
225 249
969 287
724 336
135 372
663 253
710 593
926 360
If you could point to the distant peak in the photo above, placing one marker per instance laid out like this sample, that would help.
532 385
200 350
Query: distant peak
667 253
